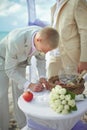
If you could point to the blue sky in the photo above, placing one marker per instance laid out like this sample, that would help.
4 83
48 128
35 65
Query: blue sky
13 13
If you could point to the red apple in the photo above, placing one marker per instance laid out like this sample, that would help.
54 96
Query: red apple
27 96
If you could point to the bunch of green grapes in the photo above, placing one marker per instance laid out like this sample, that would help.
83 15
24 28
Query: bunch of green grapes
61 100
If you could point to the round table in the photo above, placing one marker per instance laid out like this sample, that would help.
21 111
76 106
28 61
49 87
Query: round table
42 117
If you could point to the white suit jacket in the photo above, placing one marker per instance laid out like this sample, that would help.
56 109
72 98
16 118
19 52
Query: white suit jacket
15 50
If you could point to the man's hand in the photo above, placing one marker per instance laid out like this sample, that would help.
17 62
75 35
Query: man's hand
44 82
36 87
82 66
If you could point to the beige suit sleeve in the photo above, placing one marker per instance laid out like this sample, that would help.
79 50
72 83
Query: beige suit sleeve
11 62
81 19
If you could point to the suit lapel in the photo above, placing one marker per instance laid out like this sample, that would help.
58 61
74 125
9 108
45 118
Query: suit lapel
58 14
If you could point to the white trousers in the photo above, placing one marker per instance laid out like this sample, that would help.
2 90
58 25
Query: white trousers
4 106
19 115
4 103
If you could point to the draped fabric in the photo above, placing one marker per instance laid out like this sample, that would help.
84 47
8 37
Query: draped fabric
31 11
32 18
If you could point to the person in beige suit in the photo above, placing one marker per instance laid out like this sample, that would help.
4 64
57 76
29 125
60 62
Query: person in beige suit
16 50
69 18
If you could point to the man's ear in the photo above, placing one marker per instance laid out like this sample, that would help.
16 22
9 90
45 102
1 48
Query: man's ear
39 39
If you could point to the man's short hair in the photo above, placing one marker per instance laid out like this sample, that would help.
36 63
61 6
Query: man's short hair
50 35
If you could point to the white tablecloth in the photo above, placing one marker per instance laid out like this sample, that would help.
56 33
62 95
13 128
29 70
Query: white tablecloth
44 115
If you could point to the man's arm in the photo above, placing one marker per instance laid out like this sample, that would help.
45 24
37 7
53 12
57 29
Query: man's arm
11 58
81 19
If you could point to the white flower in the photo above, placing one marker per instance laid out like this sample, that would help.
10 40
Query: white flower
53 90
59 109
65 111
66 107
64 102
54 96
62 91
68 97
58 102
71 103
57 87
62 97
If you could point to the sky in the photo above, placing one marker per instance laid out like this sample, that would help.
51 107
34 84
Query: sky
14 13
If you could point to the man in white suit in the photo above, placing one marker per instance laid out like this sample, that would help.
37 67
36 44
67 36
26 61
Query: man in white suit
16 50
69 18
